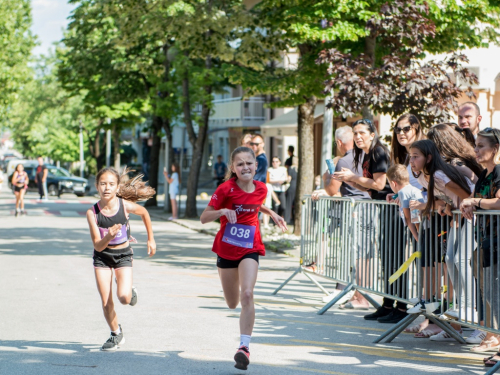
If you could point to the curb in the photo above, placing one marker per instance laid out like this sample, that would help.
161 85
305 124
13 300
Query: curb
269 245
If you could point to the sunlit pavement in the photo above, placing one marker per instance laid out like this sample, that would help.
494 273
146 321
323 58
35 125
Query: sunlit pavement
51 320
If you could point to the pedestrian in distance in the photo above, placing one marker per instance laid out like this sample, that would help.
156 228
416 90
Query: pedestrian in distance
109 227
174 181
238 243
41 179
220 170
20 182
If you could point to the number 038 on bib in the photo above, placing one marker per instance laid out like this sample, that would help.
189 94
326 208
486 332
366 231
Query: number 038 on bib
239 235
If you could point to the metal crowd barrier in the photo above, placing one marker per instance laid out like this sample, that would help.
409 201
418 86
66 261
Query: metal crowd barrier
452 269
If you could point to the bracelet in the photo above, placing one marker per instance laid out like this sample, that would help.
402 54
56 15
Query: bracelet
479 203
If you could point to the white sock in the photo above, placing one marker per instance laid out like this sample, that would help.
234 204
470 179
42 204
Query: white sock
245 340
118 331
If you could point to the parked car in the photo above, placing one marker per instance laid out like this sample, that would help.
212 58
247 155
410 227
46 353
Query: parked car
59 181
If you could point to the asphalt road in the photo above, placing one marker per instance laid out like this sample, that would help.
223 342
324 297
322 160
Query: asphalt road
51 320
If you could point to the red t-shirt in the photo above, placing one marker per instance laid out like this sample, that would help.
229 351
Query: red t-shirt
235 241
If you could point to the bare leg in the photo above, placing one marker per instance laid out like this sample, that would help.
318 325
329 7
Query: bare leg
174 208
21 198
124 279
265 220
17 199
104 277
230 286
247 270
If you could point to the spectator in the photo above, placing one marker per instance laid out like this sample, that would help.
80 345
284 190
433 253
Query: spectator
174 181
277 176
289 161
373 156
333 187
220 170
487 197
469 116
246 140
258 148
290 193
41 179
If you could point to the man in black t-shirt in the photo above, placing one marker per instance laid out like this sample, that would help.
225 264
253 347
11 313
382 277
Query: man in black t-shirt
41 179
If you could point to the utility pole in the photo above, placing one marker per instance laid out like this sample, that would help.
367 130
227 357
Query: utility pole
108 145
81 149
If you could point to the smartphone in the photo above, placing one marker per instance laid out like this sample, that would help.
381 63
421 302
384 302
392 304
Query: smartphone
331 166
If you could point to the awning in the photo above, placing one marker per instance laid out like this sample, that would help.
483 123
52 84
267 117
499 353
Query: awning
286 124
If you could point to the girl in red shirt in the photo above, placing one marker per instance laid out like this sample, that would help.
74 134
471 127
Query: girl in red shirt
238 243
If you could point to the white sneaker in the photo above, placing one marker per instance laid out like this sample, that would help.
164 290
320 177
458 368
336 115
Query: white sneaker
476 337
468 315
444 336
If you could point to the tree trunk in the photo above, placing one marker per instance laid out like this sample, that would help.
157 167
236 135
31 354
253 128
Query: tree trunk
155 159
170 150
116 146
305 174
197 141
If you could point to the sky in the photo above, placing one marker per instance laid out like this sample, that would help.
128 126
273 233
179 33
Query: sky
49 20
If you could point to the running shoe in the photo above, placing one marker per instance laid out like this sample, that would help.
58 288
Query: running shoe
113 341
133 300
242 358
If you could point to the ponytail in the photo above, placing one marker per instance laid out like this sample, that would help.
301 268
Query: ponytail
132 190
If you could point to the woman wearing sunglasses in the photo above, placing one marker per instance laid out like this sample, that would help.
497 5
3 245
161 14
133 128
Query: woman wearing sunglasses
375 160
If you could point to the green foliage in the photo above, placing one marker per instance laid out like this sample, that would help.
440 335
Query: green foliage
16 43
45 119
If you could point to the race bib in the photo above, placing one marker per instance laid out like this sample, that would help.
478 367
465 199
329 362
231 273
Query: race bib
120 237
239 235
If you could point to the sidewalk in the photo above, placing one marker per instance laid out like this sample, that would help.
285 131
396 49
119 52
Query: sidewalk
274 240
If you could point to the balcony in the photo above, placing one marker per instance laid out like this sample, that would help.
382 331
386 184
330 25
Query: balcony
235 112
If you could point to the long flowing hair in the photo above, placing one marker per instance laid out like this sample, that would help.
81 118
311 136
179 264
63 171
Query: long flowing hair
375 145
133 190
230 174
437 163
399 154
453 147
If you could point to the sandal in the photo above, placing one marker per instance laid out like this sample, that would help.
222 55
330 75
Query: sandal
311 267
418 327
491 361
428 332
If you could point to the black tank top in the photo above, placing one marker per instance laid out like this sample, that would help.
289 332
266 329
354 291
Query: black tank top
104 222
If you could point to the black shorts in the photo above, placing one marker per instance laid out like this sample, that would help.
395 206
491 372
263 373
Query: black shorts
113 258
226 263
17 189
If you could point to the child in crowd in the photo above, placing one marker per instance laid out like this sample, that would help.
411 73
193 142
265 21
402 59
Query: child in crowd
399 180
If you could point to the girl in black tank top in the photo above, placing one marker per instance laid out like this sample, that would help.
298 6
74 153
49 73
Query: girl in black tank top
109 227
20 182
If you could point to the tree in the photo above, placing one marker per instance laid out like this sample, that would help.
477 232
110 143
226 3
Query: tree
45 119
16 43
399 81
308 27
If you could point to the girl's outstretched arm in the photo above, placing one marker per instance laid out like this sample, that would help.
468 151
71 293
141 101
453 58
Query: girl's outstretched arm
139 210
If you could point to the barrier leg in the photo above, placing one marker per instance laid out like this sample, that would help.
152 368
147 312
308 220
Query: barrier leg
341 295
394 331
370 299
298 270
446 327
493 369
316 283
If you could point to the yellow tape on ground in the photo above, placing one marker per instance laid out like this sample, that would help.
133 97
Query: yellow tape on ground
404 267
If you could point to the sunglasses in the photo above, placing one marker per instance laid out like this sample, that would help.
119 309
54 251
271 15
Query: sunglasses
364 121
405 130
491 131
255 144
